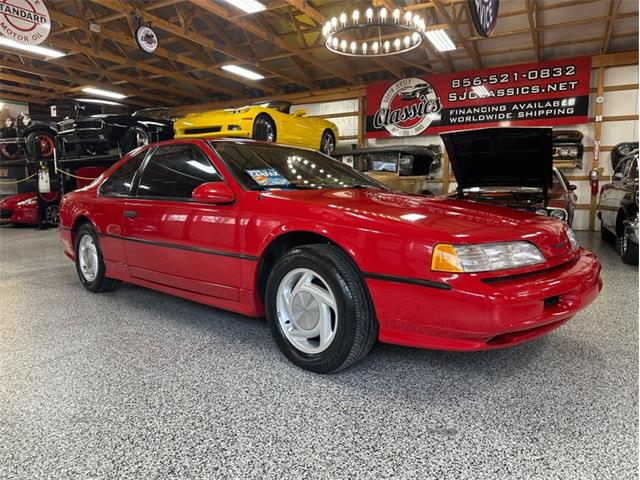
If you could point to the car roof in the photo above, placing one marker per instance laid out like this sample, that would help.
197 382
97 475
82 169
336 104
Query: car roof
408 149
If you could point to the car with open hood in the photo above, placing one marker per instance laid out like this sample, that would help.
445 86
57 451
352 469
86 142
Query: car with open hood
332 258
406 168
269 122
568 149
512 167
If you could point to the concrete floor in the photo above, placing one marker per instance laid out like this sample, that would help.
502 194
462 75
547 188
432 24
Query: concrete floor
136 384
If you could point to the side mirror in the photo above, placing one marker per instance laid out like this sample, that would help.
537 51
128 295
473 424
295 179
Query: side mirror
300 113
572 187
215 193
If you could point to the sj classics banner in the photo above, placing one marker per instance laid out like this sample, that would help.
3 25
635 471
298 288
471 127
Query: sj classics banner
533 94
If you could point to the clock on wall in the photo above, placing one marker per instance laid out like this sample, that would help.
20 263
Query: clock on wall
484 14
146 39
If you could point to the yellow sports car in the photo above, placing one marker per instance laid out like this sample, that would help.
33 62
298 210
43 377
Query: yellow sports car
269 122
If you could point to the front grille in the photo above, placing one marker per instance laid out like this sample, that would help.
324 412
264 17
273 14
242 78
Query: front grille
69 125
551 301
200 131
5 214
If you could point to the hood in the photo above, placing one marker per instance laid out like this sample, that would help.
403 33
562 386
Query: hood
10 203
501 157
438 219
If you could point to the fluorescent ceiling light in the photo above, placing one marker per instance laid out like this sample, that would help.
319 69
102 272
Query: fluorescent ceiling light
44 51
481 91
249 6
98 101
104 93
440 40
243 72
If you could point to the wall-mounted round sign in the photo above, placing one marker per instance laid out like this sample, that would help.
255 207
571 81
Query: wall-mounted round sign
24 21
146 39
484 14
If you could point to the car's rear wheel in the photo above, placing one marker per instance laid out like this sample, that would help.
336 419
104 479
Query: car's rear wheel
51 213
46 143
328 143
264 129
628 249
89 261
319 309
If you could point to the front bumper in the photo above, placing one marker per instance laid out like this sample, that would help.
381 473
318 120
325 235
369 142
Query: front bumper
478 315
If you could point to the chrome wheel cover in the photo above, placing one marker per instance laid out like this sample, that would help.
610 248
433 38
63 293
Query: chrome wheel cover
51 214
142 138
88 258
307 311
266 129
328 144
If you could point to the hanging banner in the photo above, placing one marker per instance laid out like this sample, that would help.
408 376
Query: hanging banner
24 21
533 94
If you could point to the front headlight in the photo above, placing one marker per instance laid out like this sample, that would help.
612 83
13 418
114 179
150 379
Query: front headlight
484 257
26 120
572 239
8 123
542 211
558 214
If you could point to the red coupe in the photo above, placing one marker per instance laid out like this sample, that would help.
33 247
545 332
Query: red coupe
334 259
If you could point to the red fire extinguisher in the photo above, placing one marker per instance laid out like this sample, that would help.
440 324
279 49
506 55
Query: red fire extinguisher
593 180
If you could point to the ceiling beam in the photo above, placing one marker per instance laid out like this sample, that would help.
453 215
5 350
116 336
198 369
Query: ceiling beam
532 26
442 12
251 27
613 13
20 98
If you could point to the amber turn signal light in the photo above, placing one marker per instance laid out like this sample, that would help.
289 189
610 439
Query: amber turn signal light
446 259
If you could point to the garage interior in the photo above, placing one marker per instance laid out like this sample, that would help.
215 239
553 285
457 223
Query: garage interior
139 384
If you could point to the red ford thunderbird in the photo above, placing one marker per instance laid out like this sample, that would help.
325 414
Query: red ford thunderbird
334 259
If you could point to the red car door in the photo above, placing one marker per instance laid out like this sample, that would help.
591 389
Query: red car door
174 241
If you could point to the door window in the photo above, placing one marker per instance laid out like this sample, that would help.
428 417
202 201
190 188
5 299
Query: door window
120 181
174 171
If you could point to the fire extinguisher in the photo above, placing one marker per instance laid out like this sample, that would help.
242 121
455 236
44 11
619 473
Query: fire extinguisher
593 180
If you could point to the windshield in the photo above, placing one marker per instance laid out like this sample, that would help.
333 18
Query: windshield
260 166
384 162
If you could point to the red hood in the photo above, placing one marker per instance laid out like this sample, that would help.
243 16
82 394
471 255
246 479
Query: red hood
10 203
437 219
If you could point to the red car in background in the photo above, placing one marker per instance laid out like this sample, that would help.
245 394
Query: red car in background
22 208
334 259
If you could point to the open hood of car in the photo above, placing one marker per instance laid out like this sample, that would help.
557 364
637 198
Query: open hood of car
501 157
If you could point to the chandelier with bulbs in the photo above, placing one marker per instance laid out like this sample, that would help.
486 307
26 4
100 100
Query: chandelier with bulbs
379 33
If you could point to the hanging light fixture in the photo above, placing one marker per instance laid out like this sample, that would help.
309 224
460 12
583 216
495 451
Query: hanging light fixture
375 32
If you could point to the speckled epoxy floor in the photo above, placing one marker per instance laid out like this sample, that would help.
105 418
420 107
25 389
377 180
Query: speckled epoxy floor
135 384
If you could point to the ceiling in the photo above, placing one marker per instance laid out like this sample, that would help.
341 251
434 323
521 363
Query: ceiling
285 44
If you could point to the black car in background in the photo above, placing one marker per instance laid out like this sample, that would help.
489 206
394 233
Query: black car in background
103 133
620 151
17 135
618 208
567 148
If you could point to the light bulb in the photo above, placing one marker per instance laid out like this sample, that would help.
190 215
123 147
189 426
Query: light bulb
364 48
354 47
343 45
407 17
355 16
383 14
415 37
416 20
396 43
343 19
407 41
374 47
328 26
369 14
334 42
396 15
387 45
334 22
422 25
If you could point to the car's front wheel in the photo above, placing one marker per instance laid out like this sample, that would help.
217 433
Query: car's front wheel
319 309
51 213
264 129
89 261
328 143
628 249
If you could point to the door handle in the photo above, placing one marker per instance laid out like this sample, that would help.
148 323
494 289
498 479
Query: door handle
130 214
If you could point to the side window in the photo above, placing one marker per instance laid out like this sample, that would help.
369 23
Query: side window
120 181
633 169
174 171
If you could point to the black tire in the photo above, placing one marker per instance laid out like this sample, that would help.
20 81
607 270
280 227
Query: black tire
357 330
628 250
133 138
328 142
47 143
51 213
101 283
264 129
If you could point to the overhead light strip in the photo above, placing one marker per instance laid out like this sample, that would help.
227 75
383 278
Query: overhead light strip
242 72
44 51
103 93
440 40
249 6
99 101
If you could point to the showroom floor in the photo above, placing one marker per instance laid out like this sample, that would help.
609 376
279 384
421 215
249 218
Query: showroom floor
137 384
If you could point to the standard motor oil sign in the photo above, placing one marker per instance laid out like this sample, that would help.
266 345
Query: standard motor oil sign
533 94
24 21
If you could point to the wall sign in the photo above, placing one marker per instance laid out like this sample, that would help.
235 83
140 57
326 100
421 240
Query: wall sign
146 39
24 21
484 15
533 94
